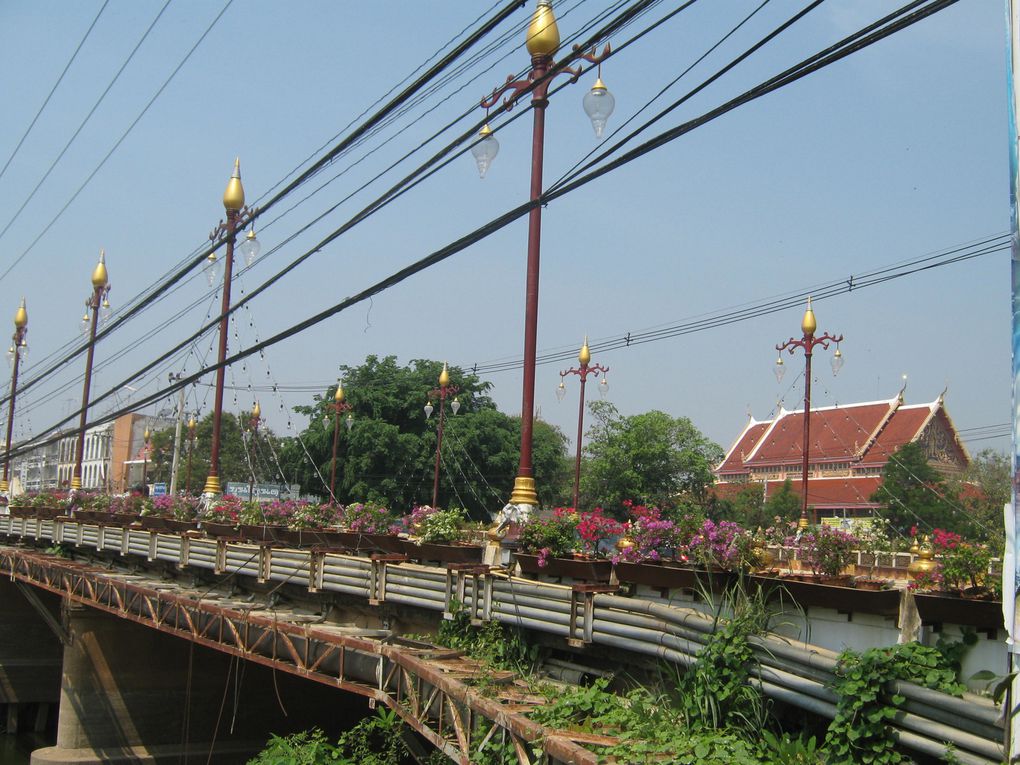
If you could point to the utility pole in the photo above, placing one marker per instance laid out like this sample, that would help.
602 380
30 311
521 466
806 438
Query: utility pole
177 434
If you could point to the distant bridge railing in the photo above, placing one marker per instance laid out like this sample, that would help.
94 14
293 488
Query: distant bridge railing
791 671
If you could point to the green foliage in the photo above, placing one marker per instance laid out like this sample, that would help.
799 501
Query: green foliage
555 533
914 493
440 525
235 453
954 651
309 747
388 456
651 458
782 749
498 646
860 731
982 490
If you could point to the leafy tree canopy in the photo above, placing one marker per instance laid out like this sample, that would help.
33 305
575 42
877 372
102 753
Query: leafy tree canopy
651 457
388 455
983 489
915 494
239 455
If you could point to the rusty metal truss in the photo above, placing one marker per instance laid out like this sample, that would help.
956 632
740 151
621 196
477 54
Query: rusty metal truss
428 687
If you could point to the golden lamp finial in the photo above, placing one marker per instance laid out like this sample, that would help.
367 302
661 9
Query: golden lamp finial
21 316
584 355
192 425
256 411
543 34
808 324
339 395
444 377
99 275
233 197
148 434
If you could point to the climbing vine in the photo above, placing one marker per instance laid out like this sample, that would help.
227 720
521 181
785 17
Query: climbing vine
860 732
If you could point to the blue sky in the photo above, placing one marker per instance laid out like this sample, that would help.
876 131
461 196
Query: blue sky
893 153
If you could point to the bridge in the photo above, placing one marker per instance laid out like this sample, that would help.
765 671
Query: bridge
334 621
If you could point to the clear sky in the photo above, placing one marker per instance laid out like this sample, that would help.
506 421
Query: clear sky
897 152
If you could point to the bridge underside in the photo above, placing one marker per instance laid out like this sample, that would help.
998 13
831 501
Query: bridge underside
429 688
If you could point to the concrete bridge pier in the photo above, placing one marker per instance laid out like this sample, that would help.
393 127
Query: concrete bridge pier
133 694
30 656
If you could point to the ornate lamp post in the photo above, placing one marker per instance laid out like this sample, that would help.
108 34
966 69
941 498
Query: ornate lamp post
444 390
543 40
145 457
192 427
808 325
253 427
19 347
99 299
339 406
237 217
585 369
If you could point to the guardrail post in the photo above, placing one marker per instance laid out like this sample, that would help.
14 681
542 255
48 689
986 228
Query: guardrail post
316 560
479 606
377 578
582 612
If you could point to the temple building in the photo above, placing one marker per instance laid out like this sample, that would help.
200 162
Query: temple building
849 447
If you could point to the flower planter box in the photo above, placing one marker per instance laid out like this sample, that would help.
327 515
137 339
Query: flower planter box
949 608
664 576
263 533
153 523
387 543
827 595
48 513
217 529
443 553
21 512
175 526
566 568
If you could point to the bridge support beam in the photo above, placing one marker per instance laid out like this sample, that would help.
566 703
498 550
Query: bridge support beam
30 655
134 694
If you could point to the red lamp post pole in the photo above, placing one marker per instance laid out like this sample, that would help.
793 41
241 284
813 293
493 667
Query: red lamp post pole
441 393
253 423
191 449
237 217
339 406
543 39
808 342
585 369
18 342
100 289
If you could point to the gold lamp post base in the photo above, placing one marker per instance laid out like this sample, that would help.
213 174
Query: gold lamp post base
803 522
524 492
76 483
212 486
4 487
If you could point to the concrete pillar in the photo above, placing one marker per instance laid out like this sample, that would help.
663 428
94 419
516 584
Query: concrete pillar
130 693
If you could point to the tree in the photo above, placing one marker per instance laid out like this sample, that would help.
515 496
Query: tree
983 489
388 455
235 453
750 509
915 494
651 457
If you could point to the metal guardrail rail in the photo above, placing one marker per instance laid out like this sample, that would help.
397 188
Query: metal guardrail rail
794 672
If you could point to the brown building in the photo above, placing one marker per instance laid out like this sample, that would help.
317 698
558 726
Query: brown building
849 447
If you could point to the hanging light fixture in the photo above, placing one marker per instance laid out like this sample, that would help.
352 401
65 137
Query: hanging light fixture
485 149
455 405
429 409
250 247
349 422
779 369
599 104
837 361
603 386
561 390
212 268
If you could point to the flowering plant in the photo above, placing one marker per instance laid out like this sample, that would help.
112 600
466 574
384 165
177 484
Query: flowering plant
309 516
181 507
963 564
550 536
368 518
432 525
133 504
594 528
724 544
48 499
92 500
224 509
827 550
652 537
